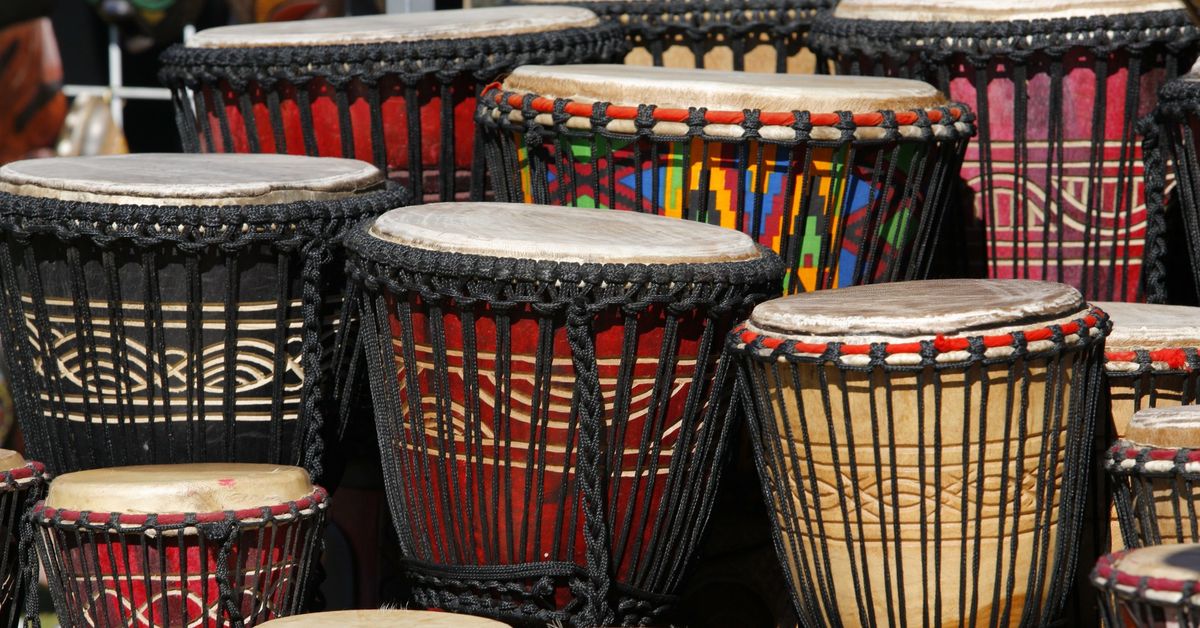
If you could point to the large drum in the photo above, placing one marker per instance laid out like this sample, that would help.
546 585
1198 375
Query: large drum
1155 469
846 198
21 483
176 308
1056 173
750 35
1150 587
395 90
543 381
388 618
925 447
180 545
1172 146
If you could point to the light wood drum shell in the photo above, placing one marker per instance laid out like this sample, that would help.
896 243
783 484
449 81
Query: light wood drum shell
922 464
516 350
240 549
177 308
1056 175
398 91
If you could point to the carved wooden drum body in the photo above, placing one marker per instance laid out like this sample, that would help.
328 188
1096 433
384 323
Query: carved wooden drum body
151 546
543 383
1150 587
1056 173
176 308
924 453
846 198
750 35
398 91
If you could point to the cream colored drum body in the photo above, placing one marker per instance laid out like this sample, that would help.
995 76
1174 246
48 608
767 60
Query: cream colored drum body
1154 468
911 481
749 35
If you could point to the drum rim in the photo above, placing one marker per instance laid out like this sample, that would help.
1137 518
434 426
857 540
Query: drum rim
832 35
1107 576
31 473
305 507
1082 329
951 116
181 65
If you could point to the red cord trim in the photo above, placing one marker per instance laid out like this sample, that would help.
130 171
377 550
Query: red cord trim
767 118
1153 453
1175 359
318 497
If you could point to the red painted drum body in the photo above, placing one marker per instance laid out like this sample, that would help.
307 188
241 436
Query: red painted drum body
397 91
246 532
1056 174
556 397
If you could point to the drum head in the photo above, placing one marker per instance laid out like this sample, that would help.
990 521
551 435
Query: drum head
185 179
383 617
561 234
179 488
10 459
1168 428
1166 562
919 309
1149 326
976 11
399 28
674 88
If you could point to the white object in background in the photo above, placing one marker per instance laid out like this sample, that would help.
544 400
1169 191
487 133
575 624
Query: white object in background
409 6
114 75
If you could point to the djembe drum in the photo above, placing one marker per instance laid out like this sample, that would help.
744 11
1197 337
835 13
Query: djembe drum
395 90
1154 469
180 545
543 384
846 198
1150 587
390 618
925 447
176 308
1171 146
21 483
1056 173
750 35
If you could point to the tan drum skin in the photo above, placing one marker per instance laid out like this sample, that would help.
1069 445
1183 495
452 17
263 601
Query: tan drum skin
902 313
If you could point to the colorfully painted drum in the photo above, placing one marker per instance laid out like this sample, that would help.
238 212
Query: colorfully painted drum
1056 174
925 447
164 545
21 483
1150 586
176 308
543 384
383 618
395 90
750 35
846 198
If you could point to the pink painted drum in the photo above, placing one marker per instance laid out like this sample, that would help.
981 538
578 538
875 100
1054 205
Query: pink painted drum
1057 171
857 196
925 447
1155 468
399 90
543 381
1150 587
750 35
206 545
21 484
386 618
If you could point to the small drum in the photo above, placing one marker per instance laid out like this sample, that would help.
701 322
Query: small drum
395 90
543 383
21 484
1174 140
750 35
1151 587
1151 358
386 618
924 447
176 308
1057 86
1155 469
846 198
180 545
